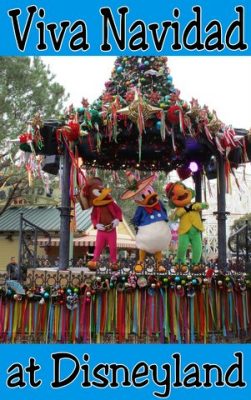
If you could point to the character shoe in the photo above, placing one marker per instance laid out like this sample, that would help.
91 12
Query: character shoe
114 266
196 268
138 268
161 268
184 268
92 265
181 268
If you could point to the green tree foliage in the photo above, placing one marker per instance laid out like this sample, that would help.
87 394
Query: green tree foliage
244 233
240 222
26 86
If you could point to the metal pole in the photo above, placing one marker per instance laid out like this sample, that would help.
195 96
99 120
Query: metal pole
65 211
246 243
20 256
221 213
198 193
35 250
198 186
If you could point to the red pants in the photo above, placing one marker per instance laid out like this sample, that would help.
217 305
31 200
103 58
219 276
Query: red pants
104 239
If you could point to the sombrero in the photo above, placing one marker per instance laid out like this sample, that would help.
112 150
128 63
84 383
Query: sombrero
136 186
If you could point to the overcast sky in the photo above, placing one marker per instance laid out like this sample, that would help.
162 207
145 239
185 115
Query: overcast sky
223 83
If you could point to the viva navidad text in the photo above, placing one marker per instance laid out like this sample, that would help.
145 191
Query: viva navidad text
118 34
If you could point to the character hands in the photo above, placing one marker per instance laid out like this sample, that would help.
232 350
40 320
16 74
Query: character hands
100 227
115 223
197 207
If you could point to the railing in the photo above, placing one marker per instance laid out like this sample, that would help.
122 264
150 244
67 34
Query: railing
28 244
239 244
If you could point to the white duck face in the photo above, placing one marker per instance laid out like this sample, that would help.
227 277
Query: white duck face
147 198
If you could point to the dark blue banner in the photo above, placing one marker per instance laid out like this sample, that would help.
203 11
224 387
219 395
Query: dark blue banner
168 27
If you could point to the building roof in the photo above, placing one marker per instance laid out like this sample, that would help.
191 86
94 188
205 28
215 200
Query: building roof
123 241
46 217
125 238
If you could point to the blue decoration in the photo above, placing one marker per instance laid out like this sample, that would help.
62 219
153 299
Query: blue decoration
177 279
194 281
120 69
146 63
16 286
46 295
170 78
167 98
158 125
68 291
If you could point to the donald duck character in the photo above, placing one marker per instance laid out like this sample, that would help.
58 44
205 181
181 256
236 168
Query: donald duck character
190 226
150 219
105 216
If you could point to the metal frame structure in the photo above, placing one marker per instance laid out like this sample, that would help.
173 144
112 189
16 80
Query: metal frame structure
28 235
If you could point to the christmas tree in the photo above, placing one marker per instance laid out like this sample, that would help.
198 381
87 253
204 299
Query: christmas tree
150 75
139 111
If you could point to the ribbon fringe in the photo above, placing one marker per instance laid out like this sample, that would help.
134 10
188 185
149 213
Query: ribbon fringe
163 316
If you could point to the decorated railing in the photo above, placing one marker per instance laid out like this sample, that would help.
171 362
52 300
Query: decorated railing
79 307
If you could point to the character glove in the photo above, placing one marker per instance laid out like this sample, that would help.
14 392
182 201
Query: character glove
100 227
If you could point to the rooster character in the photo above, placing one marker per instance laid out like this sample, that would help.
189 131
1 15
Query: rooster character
105 216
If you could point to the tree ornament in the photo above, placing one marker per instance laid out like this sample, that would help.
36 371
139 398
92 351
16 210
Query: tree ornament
214 125
139 111
174 114
73 133
154 97
85 102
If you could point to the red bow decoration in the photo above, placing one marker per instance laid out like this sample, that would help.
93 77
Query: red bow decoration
149 210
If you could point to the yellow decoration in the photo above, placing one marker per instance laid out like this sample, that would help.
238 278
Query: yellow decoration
139 108
215 124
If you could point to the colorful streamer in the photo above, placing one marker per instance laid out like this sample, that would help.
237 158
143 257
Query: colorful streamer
163 315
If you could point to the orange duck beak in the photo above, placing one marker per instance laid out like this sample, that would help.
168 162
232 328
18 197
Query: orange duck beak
149 201
104 198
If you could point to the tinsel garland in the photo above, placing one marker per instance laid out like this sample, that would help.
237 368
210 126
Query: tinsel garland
164 312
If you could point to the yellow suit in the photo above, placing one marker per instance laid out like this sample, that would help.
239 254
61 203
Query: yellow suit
189 231
189 219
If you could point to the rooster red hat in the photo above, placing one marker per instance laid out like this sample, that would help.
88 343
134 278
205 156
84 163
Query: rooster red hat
136 186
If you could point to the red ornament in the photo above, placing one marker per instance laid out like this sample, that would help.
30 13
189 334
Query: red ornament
107 98
72 134
25 137
154 97
173 114
129 96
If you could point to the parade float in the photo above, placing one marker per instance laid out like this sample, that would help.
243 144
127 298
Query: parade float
138 124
